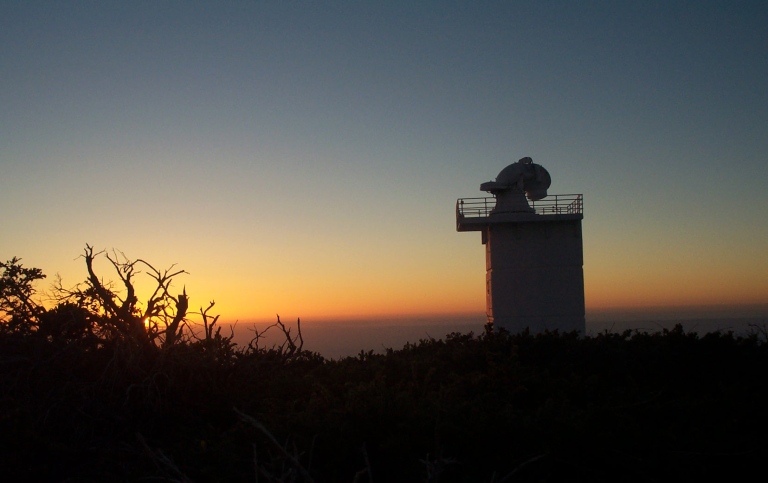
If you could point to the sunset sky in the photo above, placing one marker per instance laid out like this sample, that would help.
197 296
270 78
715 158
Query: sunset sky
304 158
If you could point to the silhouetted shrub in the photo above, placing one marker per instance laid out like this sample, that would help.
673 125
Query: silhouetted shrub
82 403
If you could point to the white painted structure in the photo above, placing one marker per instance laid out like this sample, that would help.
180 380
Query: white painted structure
533 251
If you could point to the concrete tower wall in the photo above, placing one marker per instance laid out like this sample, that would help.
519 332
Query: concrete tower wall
534 274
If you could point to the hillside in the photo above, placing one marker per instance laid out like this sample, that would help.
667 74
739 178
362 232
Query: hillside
102 388
488 407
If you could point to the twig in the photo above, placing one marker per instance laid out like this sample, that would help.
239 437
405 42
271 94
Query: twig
162 462
256 424
521 466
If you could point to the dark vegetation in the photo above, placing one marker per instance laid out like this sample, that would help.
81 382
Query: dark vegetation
102 388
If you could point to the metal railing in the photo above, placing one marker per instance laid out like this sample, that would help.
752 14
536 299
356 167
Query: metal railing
551 205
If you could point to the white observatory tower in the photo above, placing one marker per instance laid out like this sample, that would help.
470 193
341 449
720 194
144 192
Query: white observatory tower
533 251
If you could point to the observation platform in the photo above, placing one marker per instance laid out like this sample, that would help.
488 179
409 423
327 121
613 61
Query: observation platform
475 214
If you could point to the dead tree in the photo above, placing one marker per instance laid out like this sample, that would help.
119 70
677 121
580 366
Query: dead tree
164 314
159 305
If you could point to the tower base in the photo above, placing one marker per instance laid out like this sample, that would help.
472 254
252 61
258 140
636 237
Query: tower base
536 325
534 273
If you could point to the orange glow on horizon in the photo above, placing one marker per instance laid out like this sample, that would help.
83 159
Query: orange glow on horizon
258 289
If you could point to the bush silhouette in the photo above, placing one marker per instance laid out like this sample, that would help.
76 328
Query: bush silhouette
85 399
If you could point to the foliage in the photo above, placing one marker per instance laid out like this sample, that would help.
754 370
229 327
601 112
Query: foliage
19 312
82 399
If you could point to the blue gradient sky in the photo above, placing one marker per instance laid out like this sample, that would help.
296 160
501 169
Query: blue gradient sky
304 158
